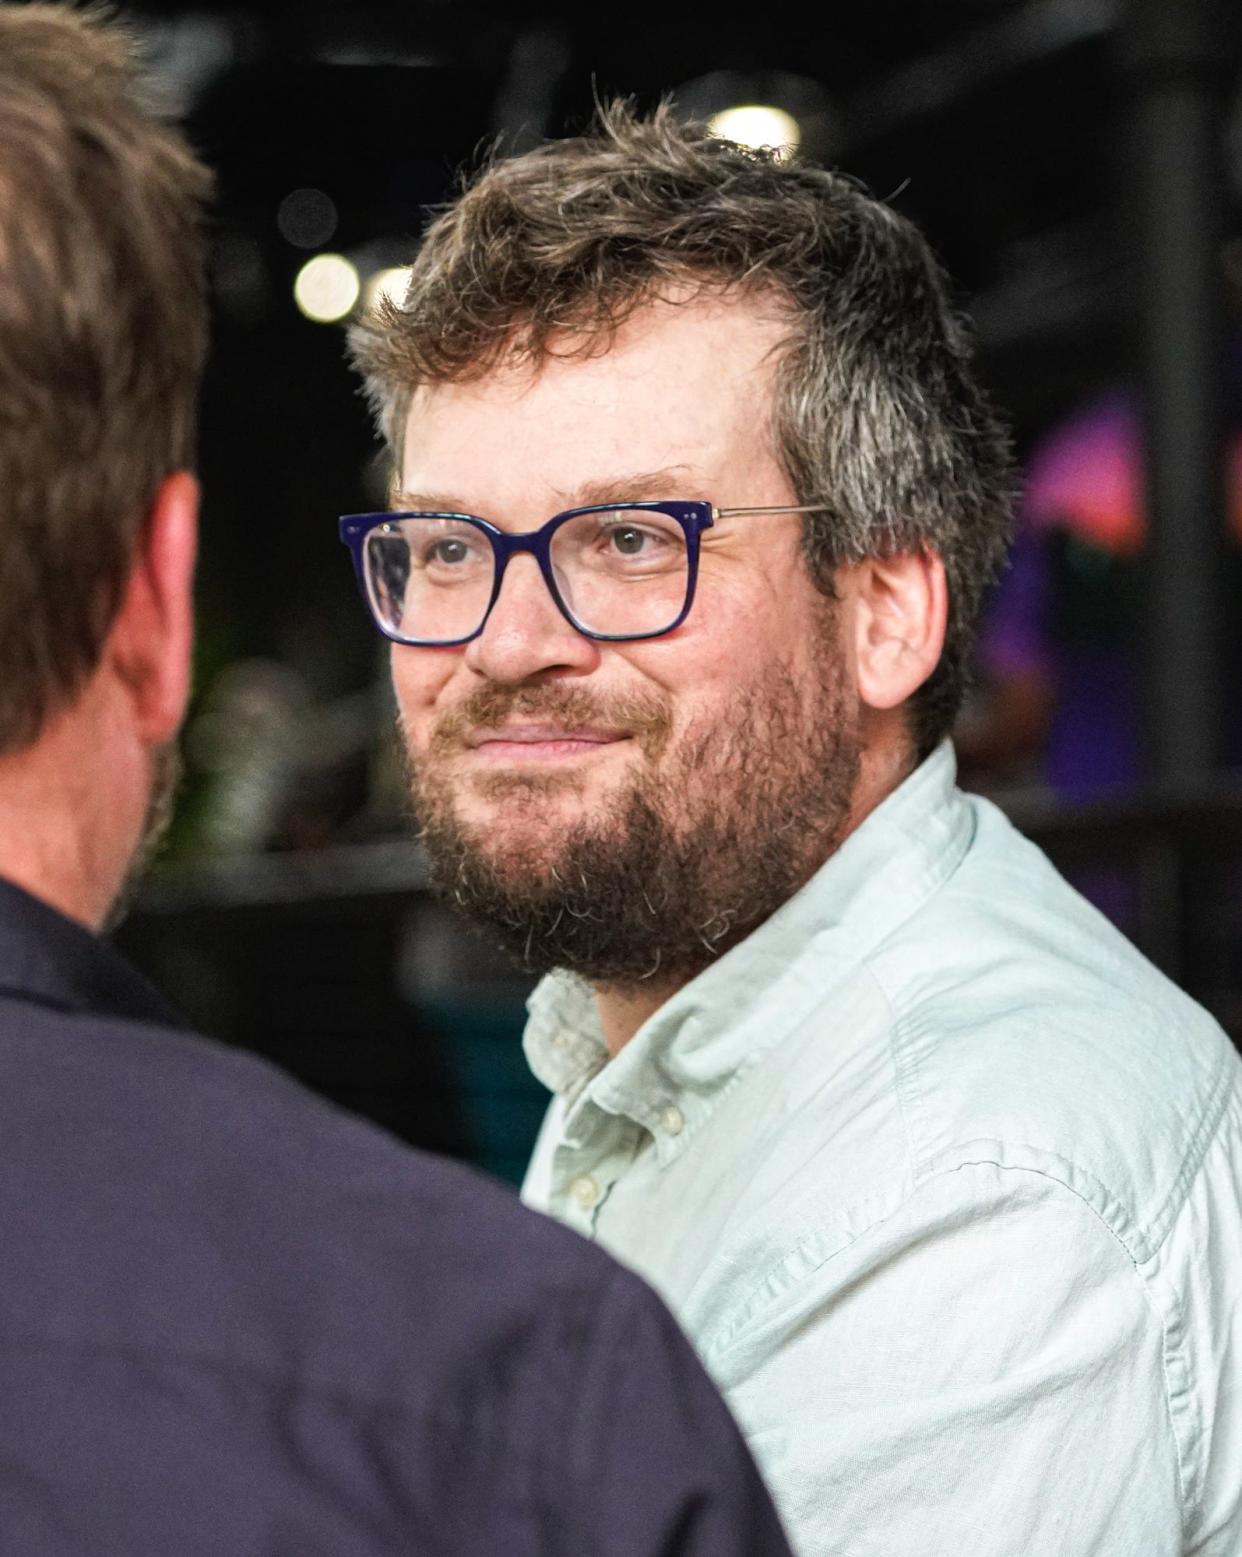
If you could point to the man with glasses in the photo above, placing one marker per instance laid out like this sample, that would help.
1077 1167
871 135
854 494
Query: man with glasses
232 1320
696 500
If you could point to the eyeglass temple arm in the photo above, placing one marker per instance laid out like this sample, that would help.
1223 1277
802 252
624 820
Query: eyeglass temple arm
779 508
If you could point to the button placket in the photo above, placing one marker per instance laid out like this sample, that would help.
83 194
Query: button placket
584 1172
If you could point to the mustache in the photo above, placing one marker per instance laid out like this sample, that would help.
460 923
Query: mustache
645 716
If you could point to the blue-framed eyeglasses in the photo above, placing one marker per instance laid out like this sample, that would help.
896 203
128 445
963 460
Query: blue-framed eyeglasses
617 572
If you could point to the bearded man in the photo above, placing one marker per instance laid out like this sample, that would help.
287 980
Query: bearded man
233 1320
697 496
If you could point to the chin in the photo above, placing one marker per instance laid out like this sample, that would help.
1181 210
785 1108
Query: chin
530 820
534 801
525 861
522 827
518 826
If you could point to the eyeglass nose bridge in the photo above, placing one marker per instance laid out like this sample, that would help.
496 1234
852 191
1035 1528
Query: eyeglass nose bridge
505 546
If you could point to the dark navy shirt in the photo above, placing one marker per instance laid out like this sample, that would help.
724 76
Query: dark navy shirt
234 1321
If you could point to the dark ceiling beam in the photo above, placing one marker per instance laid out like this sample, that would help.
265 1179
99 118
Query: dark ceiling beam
939 80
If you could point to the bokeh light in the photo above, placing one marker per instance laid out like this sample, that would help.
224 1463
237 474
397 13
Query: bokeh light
307 218
756 124
327 288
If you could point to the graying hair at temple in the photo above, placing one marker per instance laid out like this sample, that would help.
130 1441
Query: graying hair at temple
877 415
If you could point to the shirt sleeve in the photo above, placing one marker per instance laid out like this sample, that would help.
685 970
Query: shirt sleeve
981 1373
660 1468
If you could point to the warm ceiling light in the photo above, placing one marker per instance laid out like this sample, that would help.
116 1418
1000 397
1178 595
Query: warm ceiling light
390 283
327 288
756 124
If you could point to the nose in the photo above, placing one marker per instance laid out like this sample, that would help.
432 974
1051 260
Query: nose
526 635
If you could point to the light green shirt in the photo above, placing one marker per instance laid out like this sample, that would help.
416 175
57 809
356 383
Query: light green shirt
943 1180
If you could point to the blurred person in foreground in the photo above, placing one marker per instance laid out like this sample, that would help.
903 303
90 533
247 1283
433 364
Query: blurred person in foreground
697 497
233 1320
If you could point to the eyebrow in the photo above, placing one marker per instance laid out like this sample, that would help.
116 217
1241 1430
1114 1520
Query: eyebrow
429 502
634 487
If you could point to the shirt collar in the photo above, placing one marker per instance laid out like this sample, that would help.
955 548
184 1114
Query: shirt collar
55 961
702 1040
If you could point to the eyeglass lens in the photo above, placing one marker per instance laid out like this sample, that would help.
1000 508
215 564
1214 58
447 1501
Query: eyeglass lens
618 572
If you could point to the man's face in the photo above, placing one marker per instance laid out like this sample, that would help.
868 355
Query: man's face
629 810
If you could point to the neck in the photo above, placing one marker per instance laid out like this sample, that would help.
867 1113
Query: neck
50 865
65 827
623 1011
887 759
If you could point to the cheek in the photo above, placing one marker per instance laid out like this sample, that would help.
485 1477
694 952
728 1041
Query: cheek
744 635
419 678
766 647
699 677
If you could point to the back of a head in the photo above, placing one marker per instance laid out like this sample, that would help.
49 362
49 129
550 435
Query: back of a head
103 334
878 413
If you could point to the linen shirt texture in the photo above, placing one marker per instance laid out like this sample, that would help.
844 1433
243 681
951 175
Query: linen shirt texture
943 1179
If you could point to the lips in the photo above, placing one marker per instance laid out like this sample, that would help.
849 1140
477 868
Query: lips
543 735
524 743
528 722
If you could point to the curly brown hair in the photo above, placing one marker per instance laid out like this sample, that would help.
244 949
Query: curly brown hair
103 332
878 414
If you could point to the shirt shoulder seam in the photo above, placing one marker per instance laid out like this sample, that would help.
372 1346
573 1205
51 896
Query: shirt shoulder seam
755 1309
1142 1240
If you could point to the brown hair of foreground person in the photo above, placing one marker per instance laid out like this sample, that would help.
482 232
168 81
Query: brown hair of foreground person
877 414
103 332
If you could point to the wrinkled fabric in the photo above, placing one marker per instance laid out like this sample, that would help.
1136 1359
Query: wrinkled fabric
237 1323
942 1177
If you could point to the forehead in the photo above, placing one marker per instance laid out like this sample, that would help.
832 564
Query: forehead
685 386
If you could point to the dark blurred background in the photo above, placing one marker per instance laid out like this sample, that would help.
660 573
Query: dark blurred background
1078 166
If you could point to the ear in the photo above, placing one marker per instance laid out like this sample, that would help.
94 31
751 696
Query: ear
151 639
900 610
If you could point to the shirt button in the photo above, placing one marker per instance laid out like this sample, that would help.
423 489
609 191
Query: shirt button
585 1191
672 1120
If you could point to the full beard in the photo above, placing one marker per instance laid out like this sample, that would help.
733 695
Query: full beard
695 853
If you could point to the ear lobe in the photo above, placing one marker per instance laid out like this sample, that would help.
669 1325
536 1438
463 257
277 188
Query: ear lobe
150 642
900 616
